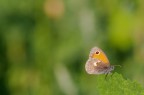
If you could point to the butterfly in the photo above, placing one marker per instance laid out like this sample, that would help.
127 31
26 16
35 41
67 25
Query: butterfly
98 62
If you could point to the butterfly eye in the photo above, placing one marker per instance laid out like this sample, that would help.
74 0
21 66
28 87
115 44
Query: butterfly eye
97 52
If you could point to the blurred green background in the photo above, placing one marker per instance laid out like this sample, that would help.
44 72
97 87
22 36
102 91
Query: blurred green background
44 44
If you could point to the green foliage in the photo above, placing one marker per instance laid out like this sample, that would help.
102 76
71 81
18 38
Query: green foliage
44 45
117 85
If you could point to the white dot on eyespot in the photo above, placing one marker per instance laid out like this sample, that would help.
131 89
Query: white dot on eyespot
95 63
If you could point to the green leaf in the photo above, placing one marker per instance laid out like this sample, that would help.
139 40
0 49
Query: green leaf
117 85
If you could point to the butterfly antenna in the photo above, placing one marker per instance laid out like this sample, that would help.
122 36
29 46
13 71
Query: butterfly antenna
117 65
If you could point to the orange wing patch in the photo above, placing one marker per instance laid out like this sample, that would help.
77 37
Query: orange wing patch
101 57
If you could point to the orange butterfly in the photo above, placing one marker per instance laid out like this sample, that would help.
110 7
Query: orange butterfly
98 62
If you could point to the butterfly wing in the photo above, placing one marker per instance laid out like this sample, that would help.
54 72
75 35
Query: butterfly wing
100 56
95 66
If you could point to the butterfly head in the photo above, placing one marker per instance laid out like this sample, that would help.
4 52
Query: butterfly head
111 68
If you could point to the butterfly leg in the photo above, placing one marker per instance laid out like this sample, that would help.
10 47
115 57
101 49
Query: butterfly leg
112 74
106 75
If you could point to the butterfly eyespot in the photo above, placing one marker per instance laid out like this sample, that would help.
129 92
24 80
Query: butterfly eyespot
97 52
